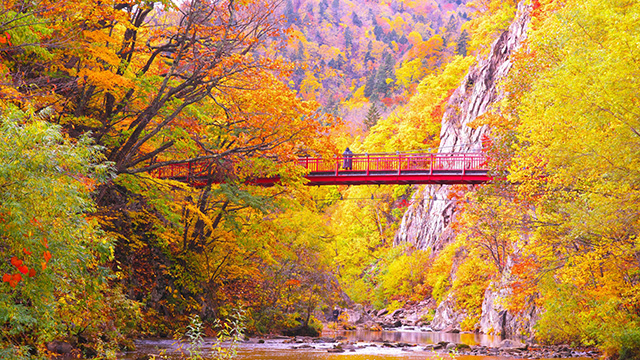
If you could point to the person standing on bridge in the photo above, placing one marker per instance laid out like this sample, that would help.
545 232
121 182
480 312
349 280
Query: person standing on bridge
347 155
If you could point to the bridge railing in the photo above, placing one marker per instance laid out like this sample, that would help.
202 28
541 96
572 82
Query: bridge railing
367 163
186 170
398 162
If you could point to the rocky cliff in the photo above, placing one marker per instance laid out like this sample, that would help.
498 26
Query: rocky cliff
426 224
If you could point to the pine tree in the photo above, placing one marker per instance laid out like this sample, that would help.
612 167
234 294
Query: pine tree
370 85
463 39
385 71
348 39
355 19
335 7
373 115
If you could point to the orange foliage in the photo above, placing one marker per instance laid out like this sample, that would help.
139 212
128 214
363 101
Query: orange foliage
524 285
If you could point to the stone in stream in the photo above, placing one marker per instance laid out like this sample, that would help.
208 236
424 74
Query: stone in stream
438 346
60 347
324 340
512 344
401 344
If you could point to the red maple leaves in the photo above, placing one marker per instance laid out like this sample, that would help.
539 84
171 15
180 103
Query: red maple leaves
22 269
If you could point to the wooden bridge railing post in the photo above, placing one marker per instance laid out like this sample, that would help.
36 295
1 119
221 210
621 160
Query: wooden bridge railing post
399 162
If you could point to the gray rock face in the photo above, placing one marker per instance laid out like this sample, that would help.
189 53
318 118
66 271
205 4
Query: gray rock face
494 315
446 318
496 319
357 316
426 223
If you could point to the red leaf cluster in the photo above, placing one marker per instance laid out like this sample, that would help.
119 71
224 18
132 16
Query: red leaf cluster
14 279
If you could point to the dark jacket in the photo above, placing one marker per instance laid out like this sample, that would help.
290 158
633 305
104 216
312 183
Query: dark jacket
347 154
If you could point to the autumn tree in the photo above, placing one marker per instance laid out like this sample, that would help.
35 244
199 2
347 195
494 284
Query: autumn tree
489 19
54 283
157 84
573 170
134 83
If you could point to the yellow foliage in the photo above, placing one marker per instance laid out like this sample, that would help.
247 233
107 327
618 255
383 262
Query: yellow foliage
415 38
490 19
103 79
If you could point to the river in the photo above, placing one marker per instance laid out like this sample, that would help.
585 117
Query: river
366 345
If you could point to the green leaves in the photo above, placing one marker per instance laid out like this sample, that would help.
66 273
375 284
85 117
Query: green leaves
51 249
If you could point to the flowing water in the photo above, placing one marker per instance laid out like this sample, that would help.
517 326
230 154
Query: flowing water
368 345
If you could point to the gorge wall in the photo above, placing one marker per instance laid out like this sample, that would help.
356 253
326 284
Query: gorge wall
426 223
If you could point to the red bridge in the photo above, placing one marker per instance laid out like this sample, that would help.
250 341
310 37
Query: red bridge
365 169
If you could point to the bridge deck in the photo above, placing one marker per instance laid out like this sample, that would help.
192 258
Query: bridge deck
363 169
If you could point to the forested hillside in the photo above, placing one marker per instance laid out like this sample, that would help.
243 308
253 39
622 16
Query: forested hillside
97 97
350 53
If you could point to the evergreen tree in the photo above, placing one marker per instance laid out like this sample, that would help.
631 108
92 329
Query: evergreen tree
355 20
452 25
378 32
367 56
463 40
348 39
373 115
340 61
335 7
370 85
385 71
322 7
391 37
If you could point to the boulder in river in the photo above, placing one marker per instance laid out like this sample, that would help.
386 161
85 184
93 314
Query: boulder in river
512 344
301 330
